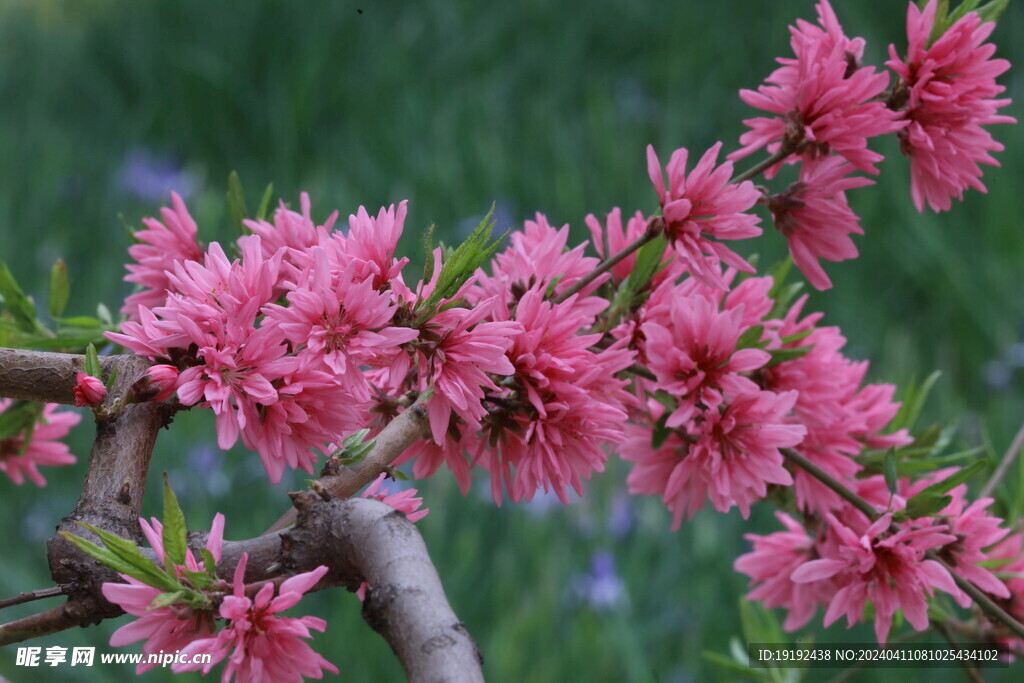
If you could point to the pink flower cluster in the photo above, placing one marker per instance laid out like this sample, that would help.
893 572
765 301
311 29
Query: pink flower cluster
720 407
258 644
842 560
947 91
21 458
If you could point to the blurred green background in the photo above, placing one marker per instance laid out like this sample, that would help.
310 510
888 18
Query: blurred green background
535 105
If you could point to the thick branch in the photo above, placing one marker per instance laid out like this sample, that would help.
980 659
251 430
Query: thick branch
398 435
44 376
359 540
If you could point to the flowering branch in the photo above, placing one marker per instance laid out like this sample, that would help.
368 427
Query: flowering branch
980 598
766 163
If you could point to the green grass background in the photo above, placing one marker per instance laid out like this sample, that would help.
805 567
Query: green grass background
539 106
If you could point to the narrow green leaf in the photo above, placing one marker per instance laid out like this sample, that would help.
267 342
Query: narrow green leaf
991 11
236 202
101 555
60 289
104 314
891 478
200 580
81 321
268 194
751 338
926 504
142 568
92 362
110 380
165 600
175 535
783 355
399 475
913 401
209 563
660 433
21 308
729 665
954 480
778 273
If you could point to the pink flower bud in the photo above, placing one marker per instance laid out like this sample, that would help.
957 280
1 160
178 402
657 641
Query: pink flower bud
158 384
89 391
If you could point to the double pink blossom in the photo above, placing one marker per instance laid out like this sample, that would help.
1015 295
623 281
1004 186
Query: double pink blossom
823 101
19 459
258 644
159 246
702 207
169 628
949 91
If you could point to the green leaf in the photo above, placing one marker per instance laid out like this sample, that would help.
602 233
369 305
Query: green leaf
398 475
778 273
751 338
165 600
461 264
104 314
200 580
759 624
81 321
236 202
175 534
100 554
92 362
354 449
729 665
954 480
891 478
110 380
209 562
142 568
20 416
991 11
18 305
913 401
60 289
783 355
925 504
268 194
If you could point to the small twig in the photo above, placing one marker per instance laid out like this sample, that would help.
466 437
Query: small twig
972 672
765 164
829 481
401 432
654 226
40 594
1005 464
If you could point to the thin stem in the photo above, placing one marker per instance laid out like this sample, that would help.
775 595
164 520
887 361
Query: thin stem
40 594
829 481
944 631
1004 465
610 262
763 165
980 598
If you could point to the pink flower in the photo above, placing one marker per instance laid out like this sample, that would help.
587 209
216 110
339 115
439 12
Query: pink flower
769 566
703 207
165 629
456 354
617 238
950 92
729 454
313 407
869 563
537 256
371 242
816 220
822 100
339 320
842 417
259 645
295 232
19 460
693 354
160 246
89 390
564 404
